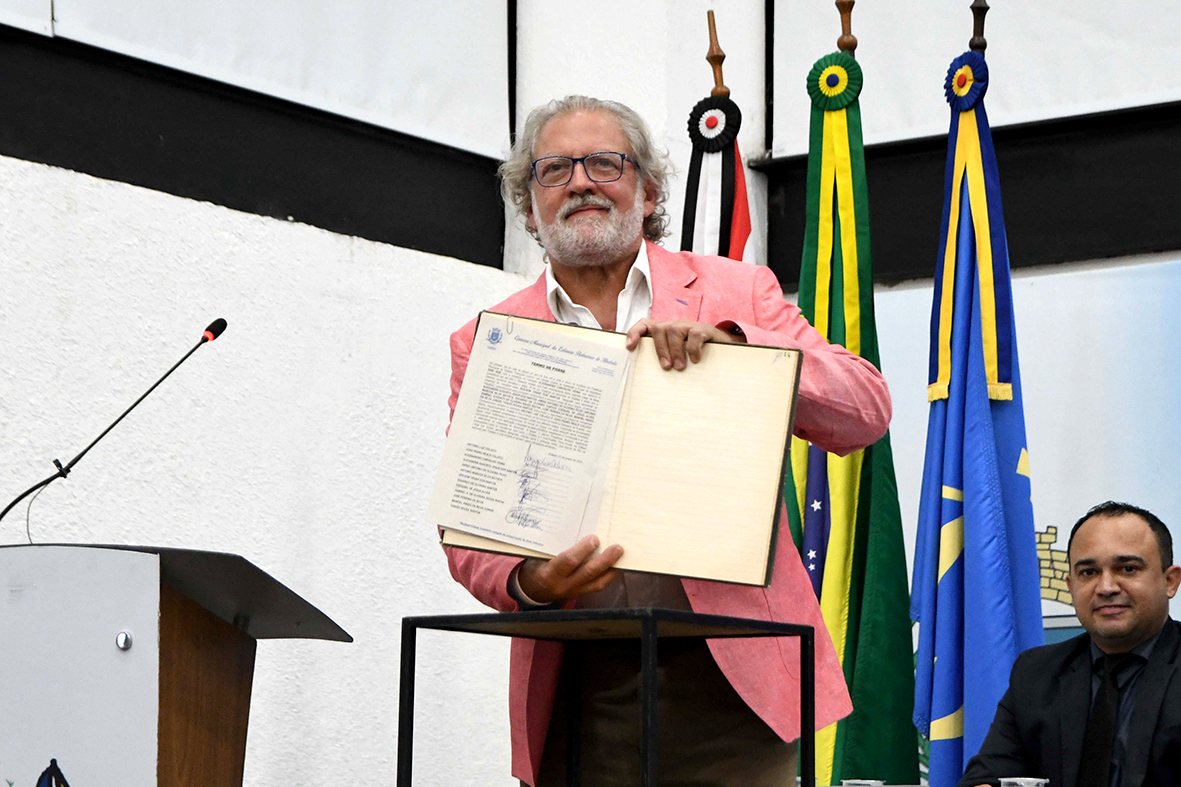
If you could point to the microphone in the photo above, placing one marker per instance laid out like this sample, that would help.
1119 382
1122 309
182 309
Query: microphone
212 332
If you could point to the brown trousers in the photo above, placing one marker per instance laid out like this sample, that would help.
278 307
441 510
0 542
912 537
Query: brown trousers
707 736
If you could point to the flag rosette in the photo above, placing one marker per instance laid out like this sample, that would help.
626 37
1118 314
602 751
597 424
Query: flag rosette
967 81
714 123
834 81
716 176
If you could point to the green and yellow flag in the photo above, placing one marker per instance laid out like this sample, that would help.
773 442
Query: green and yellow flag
845 518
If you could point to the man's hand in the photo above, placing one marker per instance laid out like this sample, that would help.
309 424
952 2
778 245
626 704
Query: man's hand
570 574
675 340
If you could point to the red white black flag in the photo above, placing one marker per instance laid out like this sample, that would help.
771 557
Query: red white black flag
717 215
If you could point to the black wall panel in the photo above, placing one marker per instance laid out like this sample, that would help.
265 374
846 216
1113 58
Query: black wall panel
1078 188
118 118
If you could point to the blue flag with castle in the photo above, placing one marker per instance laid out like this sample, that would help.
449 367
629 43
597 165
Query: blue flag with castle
975 592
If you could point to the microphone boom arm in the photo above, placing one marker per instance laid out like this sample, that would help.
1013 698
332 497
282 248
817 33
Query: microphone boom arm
62 472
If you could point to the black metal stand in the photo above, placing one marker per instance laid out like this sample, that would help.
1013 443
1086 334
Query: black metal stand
647 625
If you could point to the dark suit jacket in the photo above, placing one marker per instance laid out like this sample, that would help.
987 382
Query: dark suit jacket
1040 722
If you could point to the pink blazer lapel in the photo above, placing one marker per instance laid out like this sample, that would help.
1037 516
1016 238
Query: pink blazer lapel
671 297
533 302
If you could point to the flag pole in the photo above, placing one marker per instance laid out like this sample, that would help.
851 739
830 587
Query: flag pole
847 42
715 56
715 176
978 43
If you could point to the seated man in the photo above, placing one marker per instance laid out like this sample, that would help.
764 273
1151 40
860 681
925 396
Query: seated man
591 187
1102 709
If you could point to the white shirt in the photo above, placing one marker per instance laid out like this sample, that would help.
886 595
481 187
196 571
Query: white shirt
634 304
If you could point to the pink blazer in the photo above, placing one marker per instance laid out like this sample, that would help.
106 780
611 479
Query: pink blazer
844 405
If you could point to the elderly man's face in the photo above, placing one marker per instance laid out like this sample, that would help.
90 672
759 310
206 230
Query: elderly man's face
1120 592
585 222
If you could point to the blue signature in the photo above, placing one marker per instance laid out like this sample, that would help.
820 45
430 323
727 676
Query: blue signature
536 464
525 516
531 500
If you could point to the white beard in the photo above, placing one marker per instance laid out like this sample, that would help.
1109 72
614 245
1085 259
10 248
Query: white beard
592 243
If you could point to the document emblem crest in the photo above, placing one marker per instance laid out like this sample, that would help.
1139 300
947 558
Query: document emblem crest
494 336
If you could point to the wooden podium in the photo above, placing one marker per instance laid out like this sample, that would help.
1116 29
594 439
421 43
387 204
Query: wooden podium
133 665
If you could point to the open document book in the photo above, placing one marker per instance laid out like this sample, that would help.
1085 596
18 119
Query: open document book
560 432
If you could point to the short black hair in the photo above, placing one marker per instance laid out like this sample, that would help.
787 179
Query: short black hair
1111 508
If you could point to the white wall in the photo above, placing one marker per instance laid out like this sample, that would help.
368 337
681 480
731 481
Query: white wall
306 438
34 15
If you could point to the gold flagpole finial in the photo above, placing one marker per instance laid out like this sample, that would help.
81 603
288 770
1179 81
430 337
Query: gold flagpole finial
847 42
715 56
979 9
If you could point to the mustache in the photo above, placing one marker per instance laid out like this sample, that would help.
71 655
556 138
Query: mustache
585 201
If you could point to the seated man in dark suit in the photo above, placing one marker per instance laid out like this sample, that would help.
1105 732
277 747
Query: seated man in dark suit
1102 709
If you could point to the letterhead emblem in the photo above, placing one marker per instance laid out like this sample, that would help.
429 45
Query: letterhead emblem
494 336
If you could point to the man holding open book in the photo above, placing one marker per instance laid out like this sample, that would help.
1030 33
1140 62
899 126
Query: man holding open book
591 187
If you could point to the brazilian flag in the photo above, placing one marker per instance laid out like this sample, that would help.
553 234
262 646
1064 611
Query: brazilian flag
843 511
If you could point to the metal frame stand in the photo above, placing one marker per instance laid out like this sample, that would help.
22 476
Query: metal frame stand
647 625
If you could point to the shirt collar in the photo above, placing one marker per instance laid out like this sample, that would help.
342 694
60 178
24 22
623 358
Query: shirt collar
641 272
1143 650
639 277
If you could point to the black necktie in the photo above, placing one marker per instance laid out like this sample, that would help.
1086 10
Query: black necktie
1094 768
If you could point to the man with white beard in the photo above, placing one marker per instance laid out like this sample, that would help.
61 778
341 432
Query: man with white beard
591 187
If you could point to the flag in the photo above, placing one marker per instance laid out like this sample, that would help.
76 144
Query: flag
716 219
976 587
843 511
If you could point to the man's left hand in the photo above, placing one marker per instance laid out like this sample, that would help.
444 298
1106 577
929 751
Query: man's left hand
676 340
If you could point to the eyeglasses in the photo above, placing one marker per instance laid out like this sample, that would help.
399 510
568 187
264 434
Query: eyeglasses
602 167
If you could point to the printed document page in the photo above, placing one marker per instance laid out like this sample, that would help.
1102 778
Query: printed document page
529 433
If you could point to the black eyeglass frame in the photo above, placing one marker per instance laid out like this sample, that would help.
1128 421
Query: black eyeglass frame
574 161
